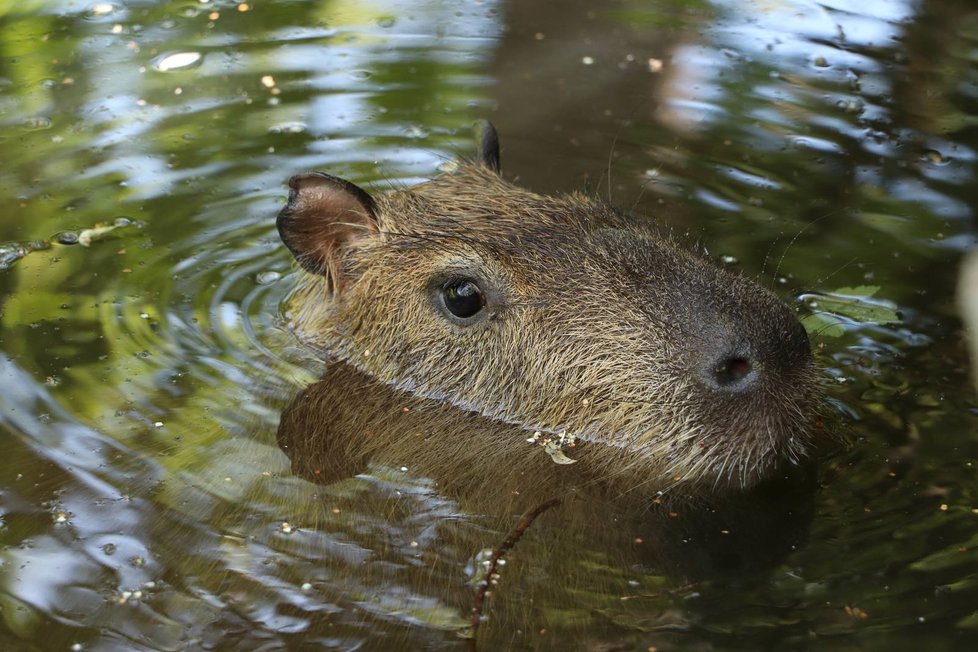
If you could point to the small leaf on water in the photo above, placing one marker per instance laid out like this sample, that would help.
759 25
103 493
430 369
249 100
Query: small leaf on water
848 306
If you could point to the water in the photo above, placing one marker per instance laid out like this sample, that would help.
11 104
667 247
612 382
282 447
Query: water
143 360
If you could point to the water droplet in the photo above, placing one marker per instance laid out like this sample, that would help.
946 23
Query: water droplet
177 61
386 21
820 62
109 548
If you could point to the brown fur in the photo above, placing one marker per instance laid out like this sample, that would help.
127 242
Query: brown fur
596 324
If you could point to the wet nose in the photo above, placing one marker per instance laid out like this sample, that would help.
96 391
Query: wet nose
741 362
733 372
730 371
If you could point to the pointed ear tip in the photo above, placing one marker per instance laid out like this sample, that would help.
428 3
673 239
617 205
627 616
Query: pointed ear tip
489 146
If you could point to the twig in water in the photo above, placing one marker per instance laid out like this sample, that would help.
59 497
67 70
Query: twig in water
511 540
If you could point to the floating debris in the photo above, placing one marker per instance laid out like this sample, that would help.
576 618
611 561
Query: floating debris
88 236
177 61
554 445
11 253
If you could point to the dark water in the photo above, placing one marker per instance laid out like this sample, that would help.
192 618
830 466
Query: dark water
828 147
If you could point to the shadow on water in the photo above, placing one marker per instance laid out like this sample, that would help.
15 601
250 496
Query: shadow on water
144 502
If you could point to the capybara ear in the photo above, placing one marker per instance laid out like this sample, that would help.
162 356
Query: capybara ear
489 146
323 216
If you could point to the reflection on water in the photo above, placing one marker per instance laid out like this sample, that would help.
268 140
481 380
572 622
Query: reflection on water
144 501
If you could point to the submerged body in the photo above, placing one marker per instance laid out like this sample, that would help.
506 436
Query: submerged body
554 318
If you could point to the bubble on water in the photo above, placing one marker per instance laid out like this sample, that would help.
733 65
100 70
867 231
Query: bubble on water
177 61
820 62
267 278
67 238
386 21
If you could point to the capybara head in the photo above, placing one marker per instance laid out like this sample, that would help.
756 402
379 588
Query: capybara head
555 315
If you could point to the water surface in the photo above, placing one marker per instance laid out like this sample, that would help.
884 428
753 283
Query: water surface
144 361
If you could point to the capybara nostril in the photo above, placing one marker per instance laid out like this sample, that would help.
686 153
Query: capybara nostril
733 373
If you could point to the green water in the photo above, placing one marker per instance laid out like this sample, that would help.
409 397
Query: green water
144 148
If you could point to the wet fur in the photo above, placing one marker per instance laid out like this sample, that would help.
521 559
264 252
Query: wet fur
597 326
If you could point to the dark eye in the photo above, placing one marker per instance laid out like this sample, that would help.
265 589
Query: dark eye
463 298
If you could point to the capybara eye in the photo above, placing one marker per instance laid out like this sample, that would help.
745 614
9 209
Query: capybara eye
463 298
